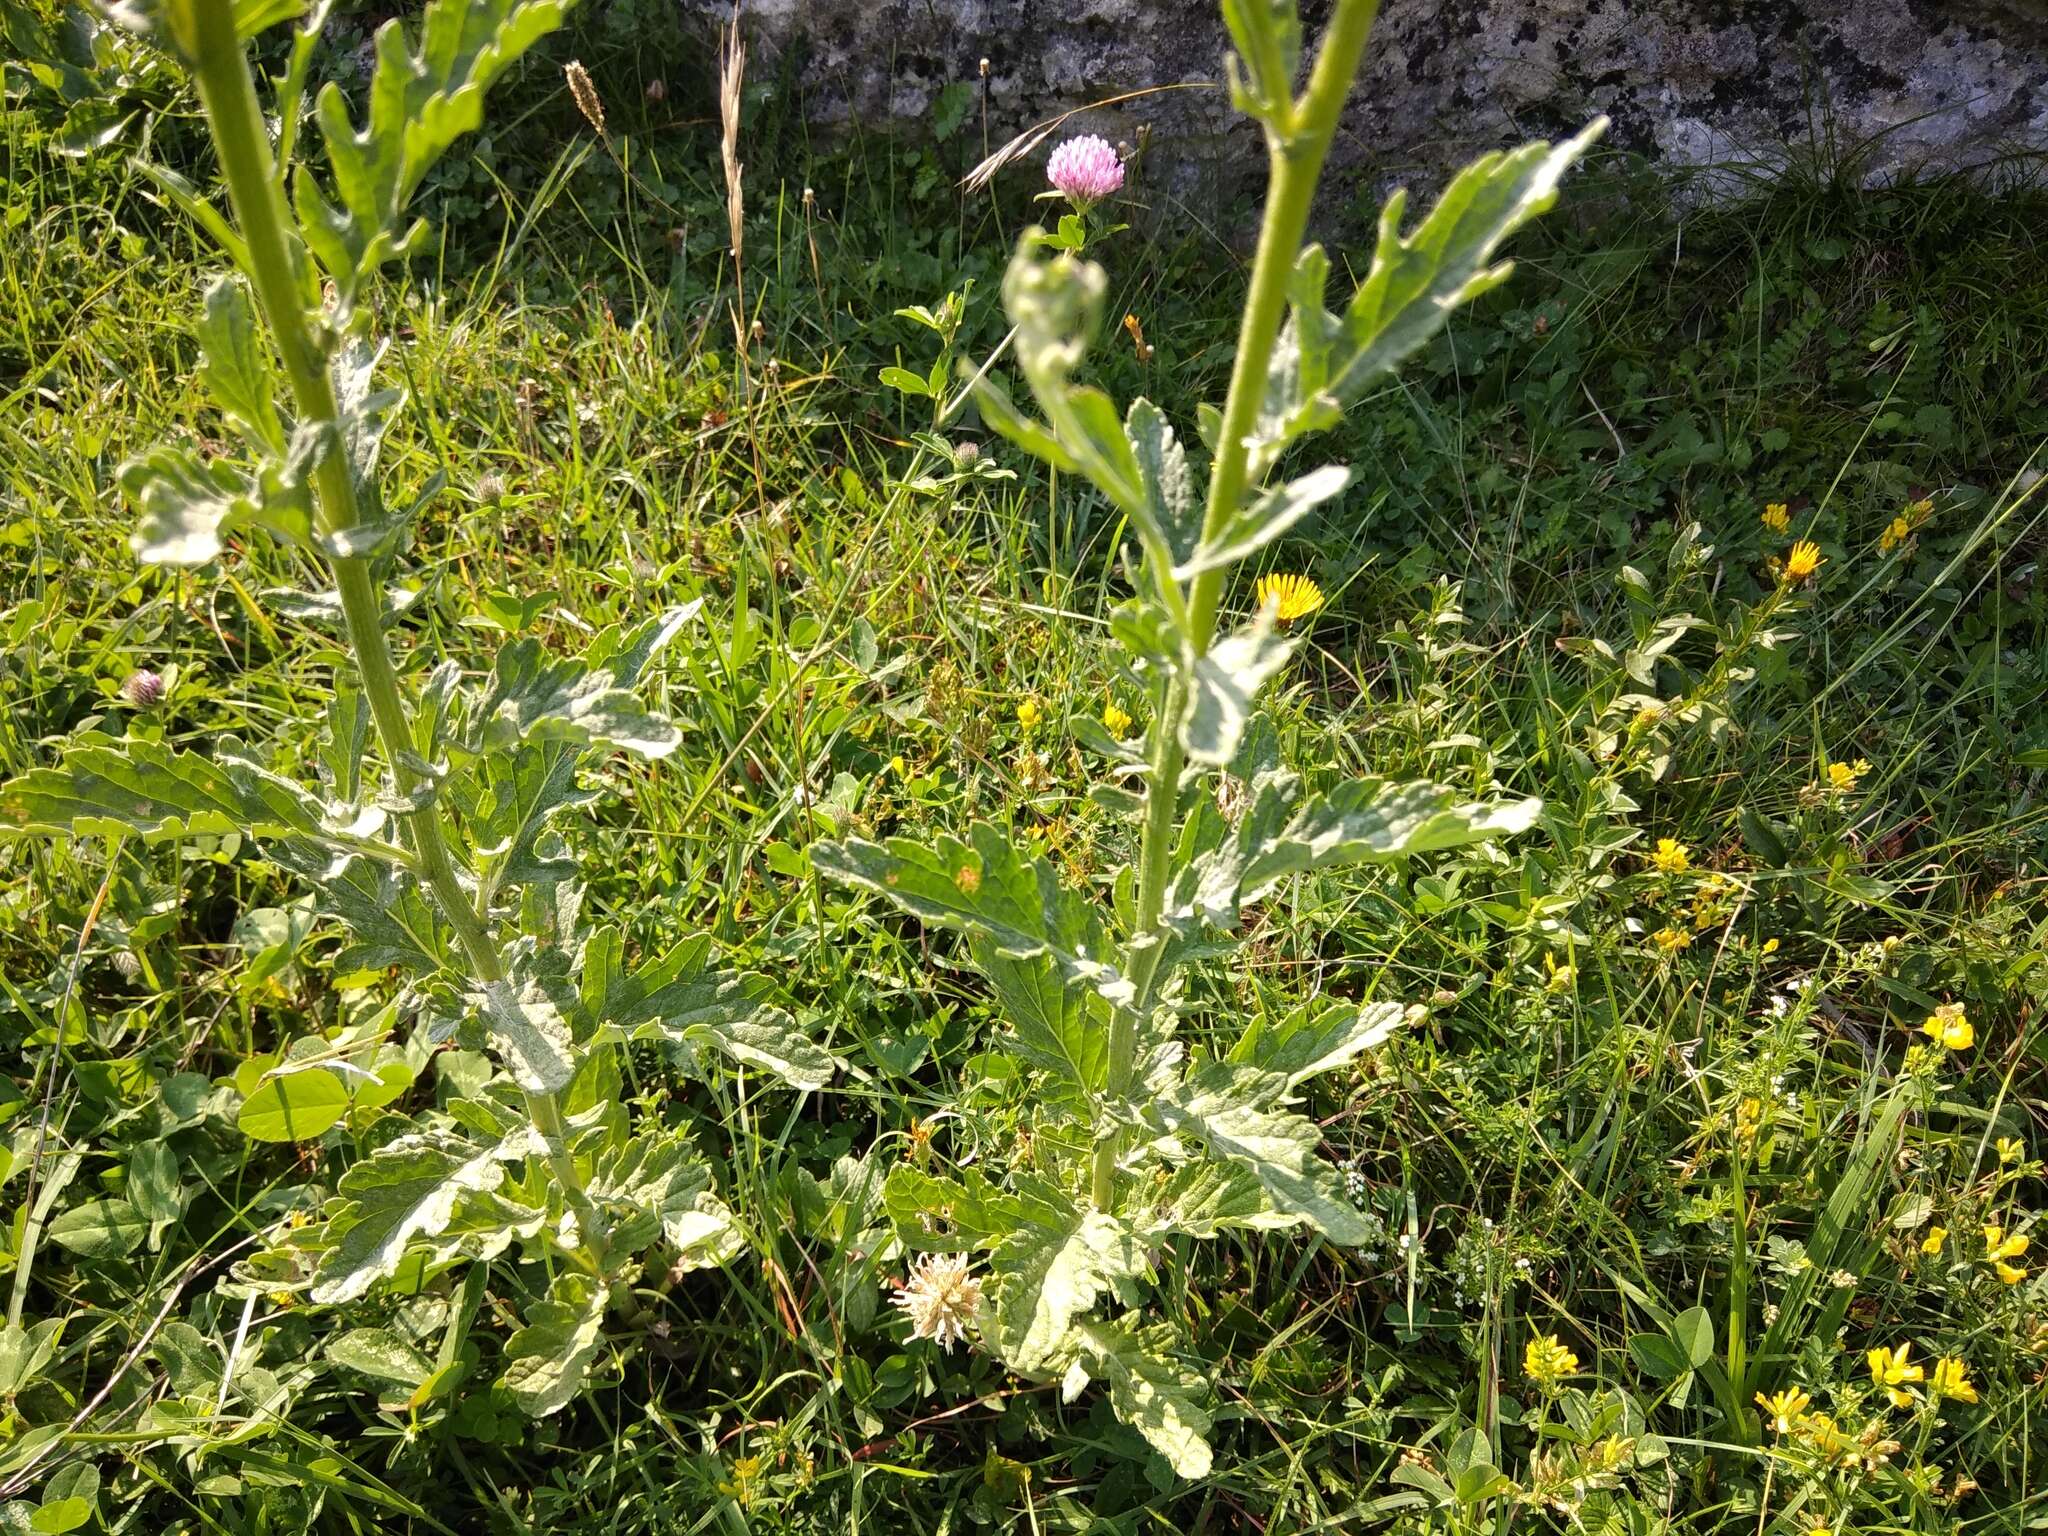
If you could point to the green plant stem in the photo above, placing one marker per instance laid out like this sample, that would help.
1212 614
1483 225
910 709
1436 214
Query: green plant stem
1296 149
204 31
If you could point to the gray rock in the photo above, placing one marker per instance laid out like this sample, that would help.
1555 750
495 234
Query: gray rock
1882 87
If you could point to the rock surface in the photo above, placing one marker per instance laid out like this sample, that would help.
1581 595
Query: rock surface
1882 87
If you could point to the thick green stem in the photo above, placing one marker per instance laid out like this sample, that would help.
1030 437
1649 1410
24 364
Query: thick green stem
1297 147
204 31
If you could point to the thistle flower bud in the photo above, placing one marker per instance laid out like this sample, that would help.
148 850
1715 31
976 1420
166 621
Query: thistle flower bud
657 90
490 488
142 689
967 453
584 94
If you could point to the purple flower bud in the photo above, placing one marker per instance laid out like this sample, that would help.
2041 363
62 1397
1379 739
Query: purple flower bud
1085 170
142 689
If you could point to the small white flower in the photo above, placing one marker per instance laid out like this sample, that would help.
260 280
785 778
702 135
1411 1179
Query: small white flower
941 1298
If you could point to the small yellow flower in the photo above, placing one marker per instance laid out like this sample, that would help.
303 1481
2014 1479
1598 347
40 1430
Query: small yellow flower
898 767
1547 1362
2000 1249
1114 720
1029 714
1770 946
1802 560
1558 978
1822 1433
1891 1370
1777 516
1672 857
1951 1379
1896 532
1931 1243
1290 596
1671 940
2011 1149
1783 1408
1843 777
1950 1028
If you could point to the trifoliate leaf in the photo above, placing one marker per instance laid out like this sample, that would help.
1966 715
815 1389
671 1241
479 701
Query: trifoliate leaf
1231 1110
546 1361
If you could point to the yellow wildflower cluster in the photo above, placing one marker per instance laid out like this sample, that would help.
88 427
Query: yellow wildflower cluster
2000 1249
1950 1028
1114 720
1902 527
1670 941
1671 858
1777 517
1030 713
1842 778
1547 1362
1900 1376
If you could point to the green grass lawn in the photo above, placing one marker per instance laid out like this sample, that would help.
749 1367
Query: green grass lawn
1652 1095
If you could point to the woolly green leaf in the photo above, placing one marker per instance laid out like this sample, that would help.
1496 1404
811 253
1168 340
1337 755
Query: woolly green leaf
381 1354
236 365
1051 1270
1149 1390
1252 527
1224 684
985 886
529 1033
546 1361
420 101
390 919
407 1189
948 1215
1316 1037
1231 1110
103 786
682 998
1413 284
589 701
1060 1026
1170 505
656 1185
188 504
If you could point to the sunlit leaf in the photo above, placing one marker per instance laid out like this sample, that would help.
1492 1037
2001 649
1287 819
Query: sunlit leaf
1052 1269
1149 1390
1225 682
293 1106
546 1361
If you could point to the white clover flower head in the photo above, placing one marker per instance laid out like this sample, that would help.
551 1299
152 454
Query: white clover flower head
940 1297
1085 170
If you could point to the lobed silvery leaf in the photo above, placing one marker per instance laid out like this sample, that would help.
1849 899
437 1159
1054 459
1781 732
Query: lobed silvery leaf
1223 684
1148 1389
986 886
1259 522
590 701
407 1189
547 1359
189 504
1233 1111
1052 1268
944 1215
1266 36
390 920
420 100
509 802
236 365
1171 501
656 1184
1323 361
1203 1198
529 1032
103 786
681 997
1058 1025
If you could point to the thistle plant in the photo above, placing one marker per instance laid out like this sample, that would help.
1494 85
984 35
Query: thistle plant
444 851
1164 1146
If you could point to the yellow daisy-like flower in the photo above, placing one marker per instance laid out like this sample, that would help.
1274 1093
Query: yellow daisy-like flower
1777 516
1290 596
1029 714
2000 1249
1672 857
1547 1362
1950 1028
1931 1243
1891 1370
1671 940
1951 1379
1783 1408
1896 532
1114 720
1802 560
